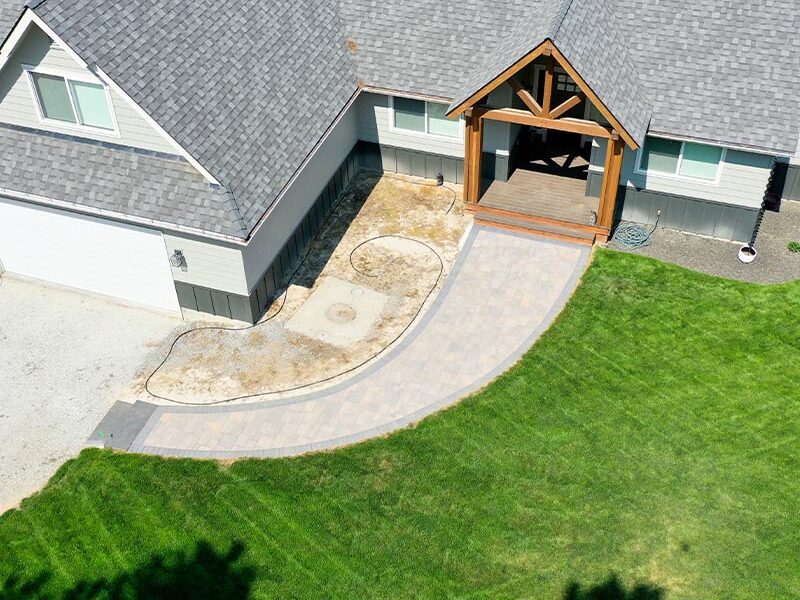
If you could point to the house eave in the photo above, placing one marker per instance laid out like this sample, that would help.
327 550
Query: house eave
753 149
118 216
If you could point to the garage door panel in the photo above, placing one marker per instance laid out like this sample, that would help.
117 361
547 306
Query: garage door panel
114 259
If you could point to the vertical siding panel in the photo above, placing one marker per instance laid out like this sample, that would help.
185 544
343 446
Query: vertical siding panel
204 303
403 161
433 166
418 164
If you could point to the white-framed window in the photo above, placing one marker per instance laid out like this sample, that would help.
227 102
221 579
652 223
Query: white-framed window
72 100
421 116
676 158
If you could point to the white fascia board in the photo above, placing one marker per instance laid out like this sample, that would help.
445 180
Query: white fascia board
29 17
118 216
17 33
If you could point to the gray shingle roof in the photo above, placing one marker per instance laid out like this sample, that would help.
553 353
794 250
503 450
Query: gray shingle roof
591 40
10 11
430 47
719 70
249 87
586 33
91 174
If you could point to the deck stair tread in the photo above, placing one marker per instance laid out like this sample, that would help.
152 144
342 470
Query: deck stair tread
563 232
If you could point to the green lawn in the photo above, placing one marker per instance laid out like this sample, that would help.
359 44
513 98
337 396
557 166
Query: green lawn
651 434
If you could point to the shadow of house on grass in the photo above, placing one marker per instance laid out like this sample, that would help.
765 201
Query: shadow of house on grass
203 573
613 589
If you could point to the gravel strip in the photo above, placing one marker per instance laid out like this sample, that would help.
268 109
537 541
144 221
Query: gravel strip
774 263
64 356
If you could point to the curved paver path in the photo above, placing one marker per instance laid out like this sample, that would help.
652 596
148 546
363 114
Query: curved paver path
503 292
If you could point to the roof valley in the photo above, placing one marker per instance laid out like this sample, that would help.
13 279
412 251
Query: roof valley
560 15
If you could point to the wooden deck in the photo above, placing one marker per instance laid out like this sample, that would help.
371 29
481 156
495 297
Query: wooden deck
542 195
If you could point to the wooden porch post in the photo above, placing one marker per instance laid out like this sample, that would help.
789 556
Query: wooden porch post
547 102
473 146
611 176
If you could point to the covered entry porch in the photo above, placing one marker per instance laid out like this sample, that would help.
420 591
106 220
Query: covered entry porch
547 184
555 116
543 198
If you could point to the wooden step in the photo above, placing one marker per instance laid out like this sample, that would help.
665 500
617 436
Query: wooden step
483 211
558 232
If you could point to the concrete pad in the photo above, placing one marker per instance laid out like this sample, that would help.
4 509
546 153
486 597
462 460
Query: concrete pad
338 312
121 425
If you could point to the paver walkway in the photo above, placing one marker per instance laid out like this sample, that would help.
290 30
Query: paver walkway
503 292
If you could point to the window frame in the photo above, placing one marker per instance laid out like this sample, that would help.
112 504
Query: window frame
676 175
426 133
68 76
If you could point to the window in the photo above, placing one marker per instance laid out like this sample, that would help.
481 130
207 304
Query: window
684 159
564 83
72 101
424 117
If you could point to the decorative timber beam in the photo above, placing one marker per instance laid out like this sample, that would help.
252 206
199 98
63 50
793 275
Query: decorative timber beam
566 106
554 56
545 48
472 156
526 97
548 85
592 97
523 117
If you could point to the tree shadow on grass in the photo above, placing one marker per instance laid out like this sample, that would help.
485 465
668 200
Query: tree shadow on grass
204 573
613 589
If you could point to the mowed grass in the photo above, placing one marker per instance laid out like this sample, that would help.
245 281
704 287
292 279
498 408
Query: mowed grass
651 435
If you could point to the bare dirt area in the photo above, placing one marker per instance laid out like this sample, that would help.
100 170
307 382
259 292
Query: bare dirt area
377 263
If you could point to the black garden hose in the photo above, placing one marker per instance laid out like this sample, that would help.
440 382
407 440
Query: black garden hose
285 294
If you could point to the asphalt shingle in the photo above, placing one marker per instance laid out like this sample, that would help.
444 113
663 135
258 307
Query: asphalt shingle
111 179
250 87
719 70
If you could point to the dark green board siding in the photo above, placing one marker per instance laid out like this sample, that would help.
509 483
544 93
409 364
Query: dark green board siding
791 187
214 302
377 157
250 308
692 215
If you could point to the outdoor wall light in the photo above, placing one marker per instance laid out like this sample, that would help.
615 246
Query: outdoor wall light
177 259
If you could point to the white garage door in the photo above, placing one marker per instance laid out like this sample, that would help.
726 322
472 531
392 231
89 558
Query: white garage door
114 259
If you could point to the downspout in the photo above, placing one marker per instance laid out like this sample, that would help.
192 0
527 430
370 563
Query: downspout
771 201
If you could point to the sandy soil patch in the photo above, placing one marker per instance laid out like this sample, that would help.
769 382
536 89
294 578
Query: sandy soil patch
395 235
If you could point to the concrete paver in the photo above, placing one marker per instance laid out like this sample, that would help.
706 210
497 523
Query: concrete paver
502 294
